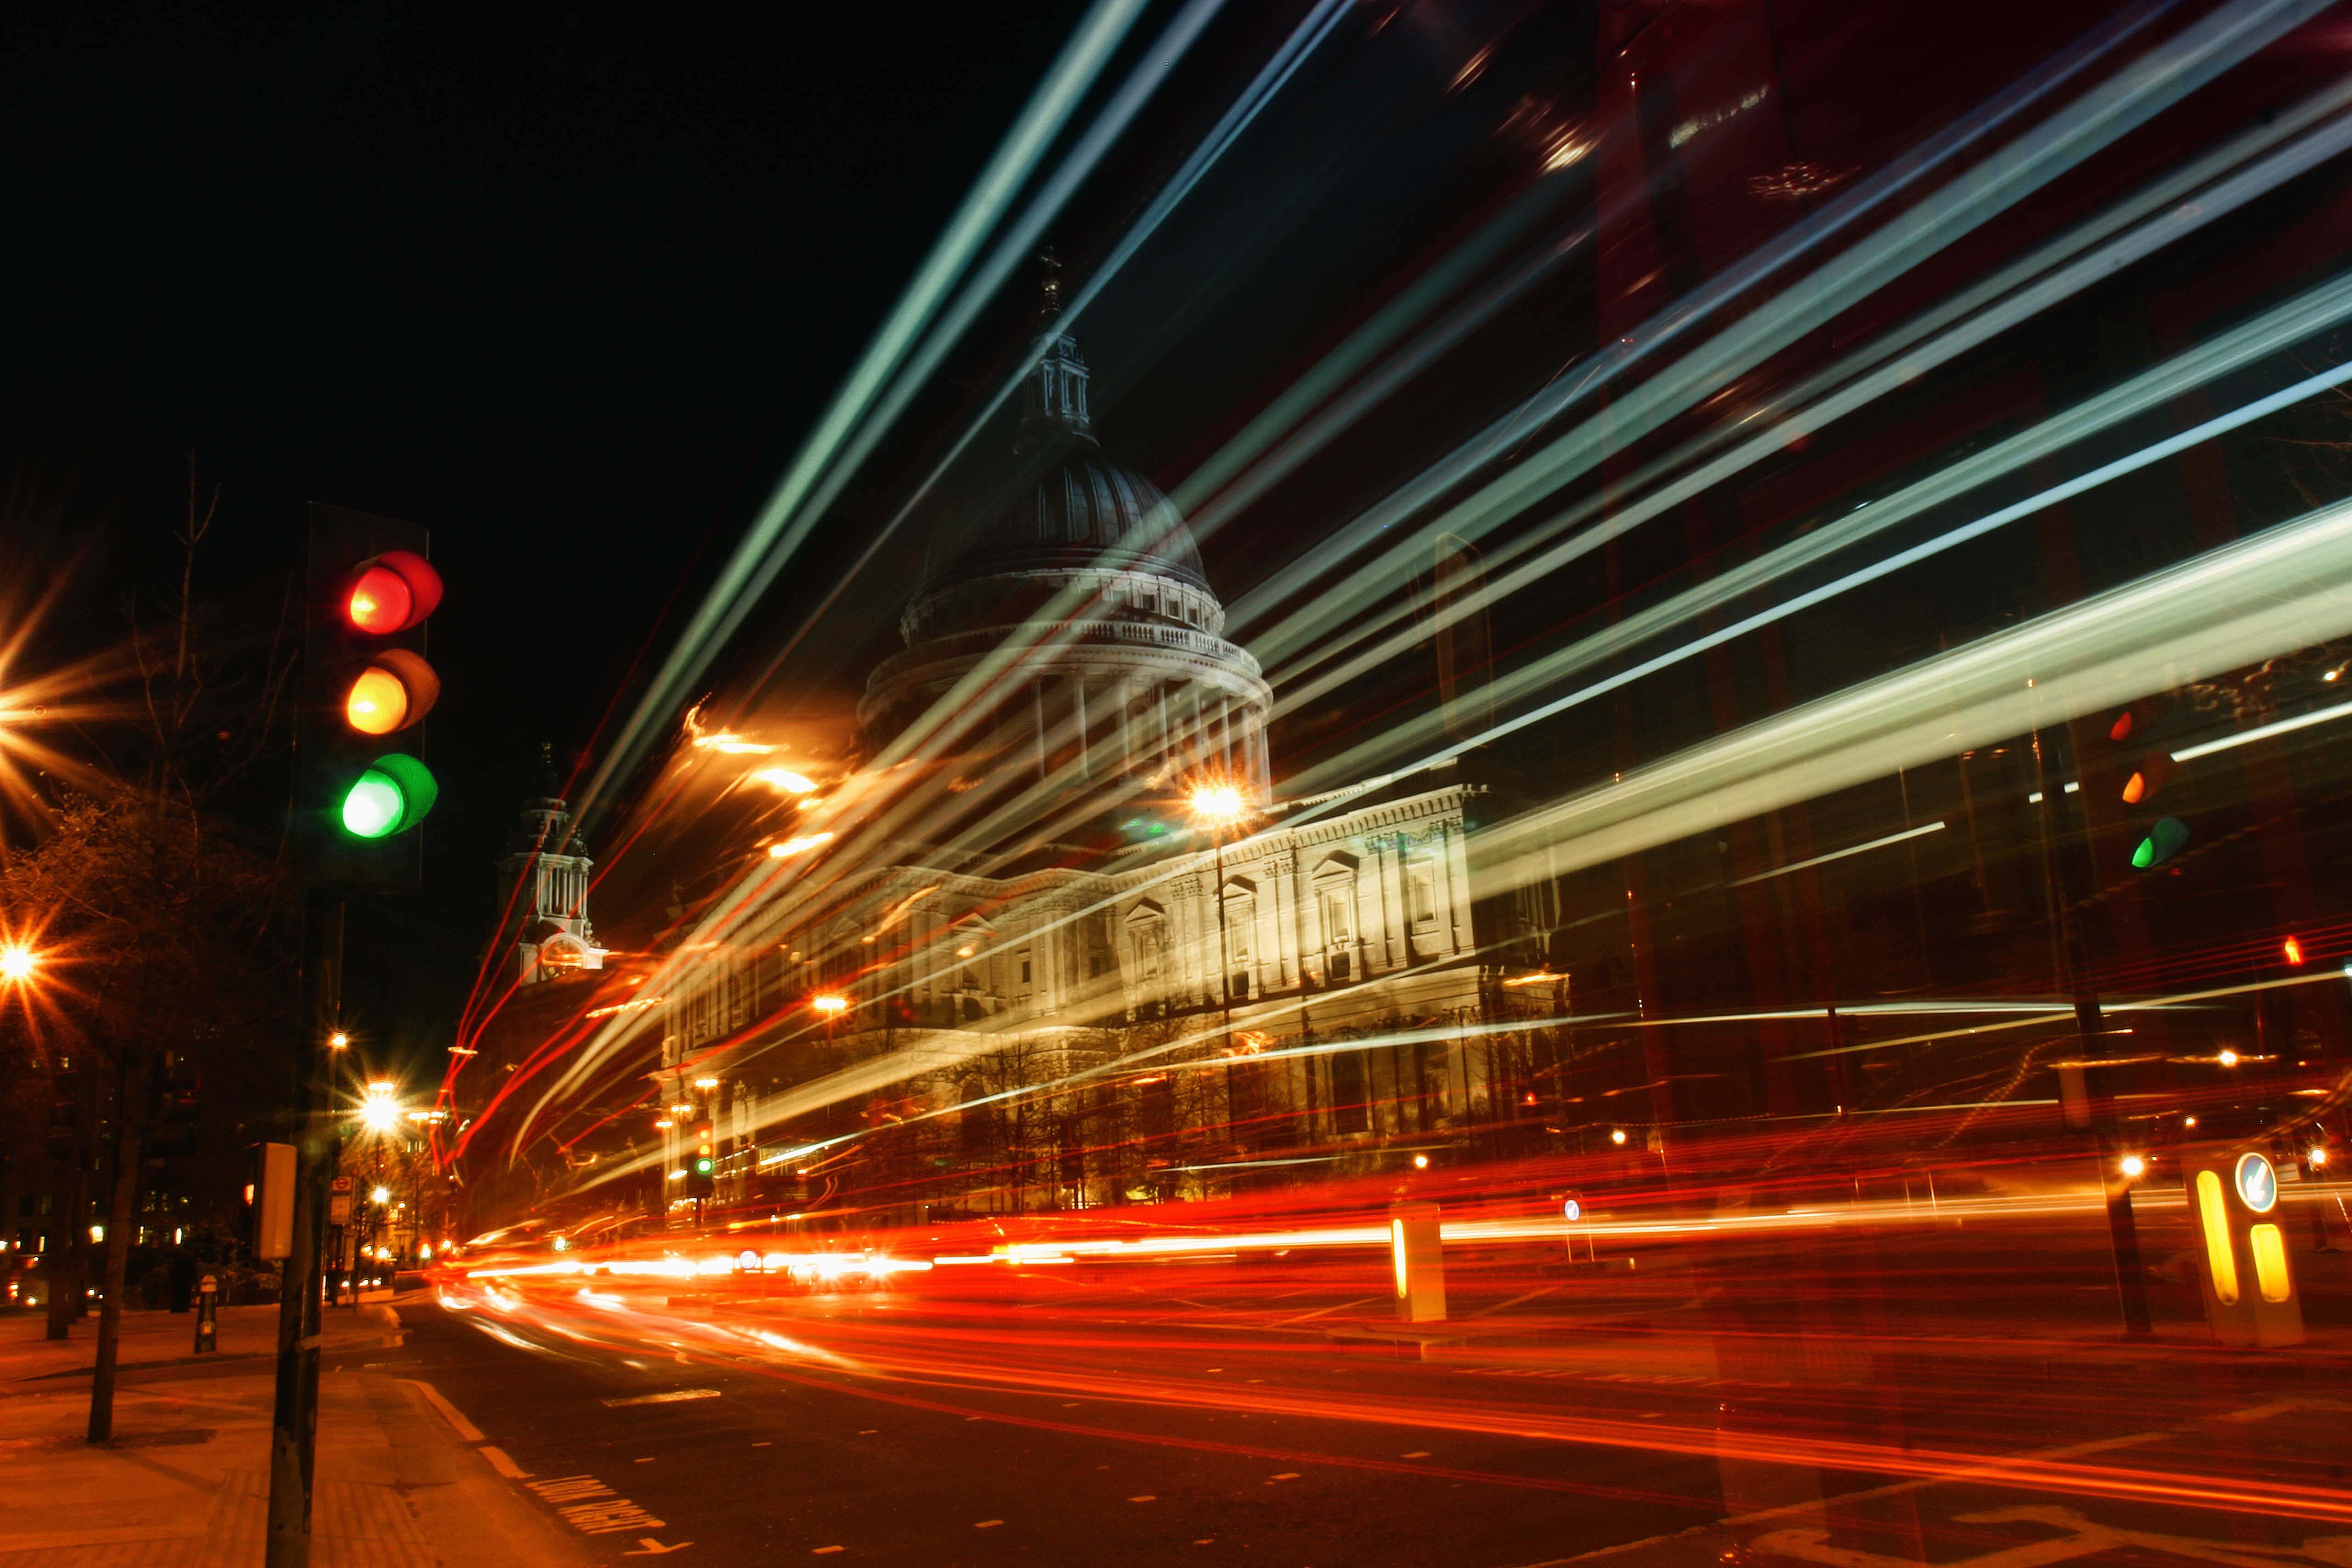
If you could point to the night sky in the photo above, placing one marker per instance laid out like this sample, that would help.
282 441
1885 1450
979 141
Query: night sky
570 294
564 291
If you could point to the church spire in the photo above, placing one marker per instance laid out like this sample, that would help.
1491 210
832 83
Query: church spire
1054 396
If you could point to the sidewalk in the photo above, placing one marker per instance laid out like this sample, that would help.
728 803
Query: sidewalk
185 1482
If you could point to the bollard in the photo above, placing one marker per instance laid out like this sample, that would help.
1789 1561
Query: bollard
207 1315
2233 1199
1417 1262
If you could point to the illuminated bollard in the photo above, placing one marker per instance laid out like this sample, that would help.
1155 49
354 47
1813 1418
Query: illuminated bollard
2233 1197
207 1315
1417 1263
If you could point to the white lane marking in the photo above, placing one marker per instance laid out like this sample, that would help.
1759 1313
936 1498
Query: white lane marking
649 1547
458 1424
591 1507
668 1397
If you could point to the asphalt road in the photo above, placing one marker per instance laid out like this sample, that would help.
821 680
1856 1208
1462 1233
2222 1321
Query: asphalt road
747 1464
1201 1414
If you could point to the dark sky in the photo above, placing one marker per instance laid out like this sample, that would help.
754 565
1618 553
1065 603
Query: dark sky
569 293
559 287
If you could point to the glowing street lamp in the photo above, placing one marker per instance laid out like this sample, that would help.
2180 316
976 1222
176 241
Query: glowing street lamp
382 1194
784 779
18 962
379 1111
1216 806
794 846
831 1005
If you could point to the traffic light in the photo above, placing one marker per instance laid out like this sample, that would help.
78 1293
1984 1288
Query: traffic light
361 786
702 1171
2163 842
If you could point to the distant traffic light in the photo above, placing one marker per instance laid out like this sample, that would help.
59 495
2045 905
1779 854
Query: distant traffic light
2163 841
364 678
702 1171
2156 769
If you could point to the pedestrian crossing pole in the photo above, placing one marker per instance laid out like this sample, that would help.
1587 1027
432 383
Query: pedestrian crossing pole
294 1424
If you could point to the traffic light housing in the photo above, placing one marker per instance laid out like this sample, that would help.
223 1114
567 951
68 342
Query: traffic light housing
361 788
702 1170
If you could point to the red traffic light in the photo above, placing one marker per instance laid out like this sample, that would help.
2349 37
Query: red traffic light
391 593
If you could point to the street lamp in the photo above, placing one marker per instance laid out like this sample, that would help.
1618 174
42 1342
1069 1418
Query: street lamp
379 1111
832 1006
1217 806
18 962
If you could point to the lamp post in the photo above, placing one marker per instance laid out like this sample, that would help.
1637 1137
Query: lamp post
1217 808
380 1113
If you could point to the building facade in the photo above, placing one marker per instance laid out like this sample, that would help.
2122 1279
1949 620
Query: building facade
1054 987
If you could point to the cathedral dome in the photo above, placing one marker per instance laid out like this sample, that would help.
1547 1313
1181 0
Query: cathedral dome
1065 504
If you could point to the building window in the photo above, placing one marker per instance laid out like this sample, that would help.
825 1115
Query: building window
1338 905
1420 893
1024 971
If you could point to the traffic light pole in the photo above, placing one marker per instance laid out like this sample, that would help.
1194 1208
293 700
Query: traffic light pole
294 1426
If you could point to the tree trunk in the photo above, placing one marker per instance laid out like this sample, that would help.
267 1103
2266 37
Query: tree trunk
69 1280
131 1094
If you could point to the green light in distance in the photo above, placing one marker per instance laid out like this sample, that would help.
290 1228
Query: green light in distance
2163 842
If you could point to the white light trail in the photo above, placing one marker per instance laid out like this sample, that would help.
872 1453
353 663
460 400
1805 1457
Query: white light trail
2290 587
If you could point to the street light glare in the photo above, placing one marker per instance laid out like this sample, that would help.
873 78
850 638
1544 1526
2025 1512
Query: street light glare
1217 805
794 846
17 962
831 1005
785 780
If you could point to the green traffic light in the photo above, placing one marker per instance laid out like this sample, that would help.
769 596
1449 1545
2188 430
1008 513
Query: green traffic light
702 1167
2163 842
391 795
373 807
